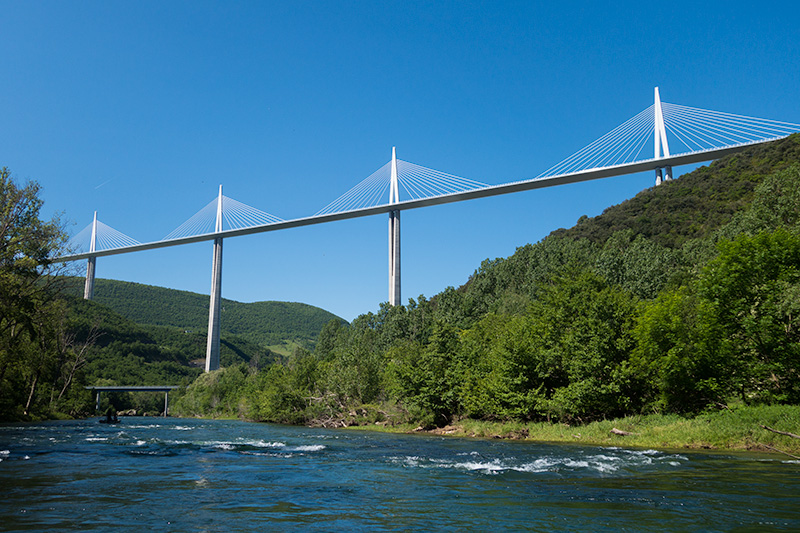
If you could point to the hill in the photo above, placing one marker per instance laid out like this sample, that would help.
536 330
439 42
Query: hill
695 205
683 298
261 323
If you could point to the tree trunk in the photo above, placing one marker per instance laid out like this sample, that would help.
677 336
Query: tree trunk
30 396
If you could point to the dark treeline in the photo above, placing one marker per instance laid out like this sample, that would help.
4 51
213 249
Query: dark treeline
684 297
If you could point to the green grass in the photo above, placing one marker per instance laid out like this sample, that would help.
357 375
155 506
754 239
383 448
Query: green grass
286 348
738 428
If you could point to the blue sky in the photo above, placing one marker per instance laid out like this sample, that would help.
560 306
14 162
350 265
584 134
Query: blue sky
139 110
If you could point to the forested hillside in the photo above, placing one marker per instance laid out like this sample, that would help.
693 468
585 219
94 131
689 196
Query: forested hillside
703 201
261 323
97 346
684 298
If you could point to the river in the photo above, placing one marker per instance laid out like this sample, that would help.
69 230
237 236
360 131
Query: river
209 475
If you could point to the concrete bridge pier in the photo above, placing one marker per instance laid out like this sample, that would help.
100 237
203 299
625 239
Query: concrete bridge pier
212 348
394 236
88 288
394 257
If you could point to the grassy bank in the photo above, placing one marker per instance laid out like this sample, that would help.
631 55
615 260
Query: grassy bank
738 428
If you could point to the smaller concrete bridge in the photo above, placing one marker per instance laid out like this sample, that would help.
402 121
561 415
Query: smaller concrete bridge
147 388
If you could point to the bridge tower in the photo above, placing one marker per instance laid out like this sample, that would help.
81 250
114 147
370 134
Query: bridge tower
88 288
660 135
212 349
394 236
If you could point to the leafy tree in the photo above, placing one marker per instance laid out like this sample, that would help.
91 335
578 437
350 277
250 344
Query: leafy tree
426 378
503 374
776 205
355 375
637 264
585 329
753 287
29 347
678 353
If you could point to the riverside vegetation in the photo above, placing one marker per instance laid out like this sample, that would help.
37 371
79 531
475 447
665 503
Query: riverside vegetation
676 309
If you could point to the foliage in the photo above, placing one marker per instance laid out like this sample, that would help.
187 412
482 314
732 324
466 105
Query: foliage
682 299
678 354
261 323
35 353
753 290
215 394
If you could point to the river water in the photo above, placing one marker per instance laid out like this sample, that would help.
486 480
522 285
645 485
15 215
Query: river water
208 475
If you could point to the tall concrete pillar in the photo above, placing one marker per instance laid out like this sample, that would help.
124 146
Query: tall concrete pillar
394 235
394 257
212 349
88 288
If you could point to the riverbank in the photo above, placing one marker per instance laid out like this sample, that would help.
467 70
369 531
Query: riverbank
739 428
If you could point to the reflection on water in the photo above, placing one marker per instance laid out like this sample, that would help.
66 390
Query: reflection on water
178 474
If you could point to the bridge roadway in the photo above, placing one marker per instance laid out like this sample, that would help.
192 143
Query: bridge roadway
493 190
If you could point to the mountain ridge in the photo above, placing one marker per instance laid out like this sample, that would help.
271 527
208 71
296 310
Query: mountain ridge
266 323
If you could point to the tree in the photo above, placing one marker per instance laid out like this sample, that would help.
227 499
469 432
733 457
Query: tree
753 287
678 353
27 285
584 329
425 378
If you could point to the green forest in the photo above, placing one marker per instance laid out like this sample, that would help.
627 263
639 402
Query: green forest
680 300
261 323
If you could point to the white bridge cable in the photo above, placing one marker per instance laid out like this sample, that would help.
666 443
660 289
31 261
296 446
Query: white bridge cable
422 182
621 145
364 194
238 215
697 129
107 238
701 129
414 182
235 215
710 134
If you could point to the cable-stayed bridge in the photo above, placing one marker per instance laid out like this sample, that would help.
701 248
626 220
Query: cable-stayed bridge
676 134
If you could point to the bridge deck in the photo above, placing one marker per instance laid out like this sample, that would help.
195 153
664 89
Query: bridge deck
492 190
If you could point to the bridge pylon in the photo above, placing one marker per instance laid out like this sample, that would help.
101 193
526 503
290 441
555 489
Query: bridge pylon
88 288
212 348
660 140
394 235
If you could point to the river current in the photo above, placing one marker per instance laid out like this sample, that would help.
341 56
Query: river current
209 475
